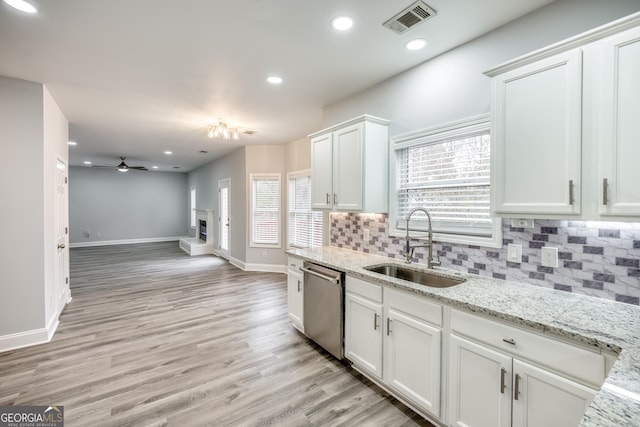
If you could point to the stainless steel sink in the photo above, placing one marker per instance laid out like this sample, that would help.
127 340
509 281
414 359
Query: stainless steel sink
416 276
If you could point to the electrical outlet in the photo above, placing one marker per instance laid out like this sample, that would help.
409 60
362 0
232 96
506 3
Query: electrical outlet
521 223
514 253
264 254
549 257
98 234
366 236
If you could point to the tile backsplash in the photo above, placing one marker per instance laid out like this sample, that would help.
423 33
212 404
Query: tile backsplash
600 259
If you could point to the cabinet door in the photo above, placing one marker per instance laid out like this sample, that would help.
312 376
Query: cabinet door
543 399
295 292
347 168
363 333
322 172
479 386
619 142
412 360
537 124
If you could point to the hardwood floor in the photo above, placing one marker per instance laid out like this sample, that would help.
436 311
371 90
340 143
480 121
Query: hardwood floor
154 337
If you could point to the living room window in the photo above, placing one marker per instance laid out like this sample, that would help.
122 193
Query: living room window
304 226
447 171
265 210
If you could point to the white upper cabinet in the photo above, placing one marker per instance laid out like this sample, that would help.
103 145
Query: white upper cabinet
618 115
349 166
565 128
537 137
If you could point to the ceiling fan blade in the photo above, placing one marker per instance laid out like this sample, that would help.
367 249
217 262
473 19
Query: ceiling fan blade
99 166
140 168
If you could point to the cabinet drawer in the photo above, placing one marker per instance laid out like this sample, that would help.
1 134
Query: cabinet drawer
294 264
413 305
574 361
364 289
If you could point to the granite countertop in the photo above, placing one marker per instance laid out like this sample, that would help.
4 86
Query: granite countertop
593 321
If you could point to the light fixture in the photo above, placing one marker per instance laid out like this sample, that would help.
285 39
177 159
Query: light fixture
415 44
154 167
72 143
342 23
222 130
274 80
168 153
122 167
87 162
21 5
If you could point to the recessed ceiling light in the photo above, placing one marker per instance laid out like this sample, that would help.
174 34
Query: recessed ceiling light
87 162
415 44
72 143
21 5
342 23
154 167
274 80
168 153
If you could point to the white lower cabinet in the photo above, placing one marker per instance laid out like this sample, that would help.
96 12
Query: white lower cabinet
295 293
394 337
489 387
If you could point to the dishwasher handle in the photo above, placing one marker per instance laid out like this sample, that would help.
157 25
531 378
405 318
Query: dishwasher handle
322 276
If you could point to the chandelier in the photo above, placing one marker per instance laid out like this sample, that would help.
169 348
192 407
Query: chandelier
221 130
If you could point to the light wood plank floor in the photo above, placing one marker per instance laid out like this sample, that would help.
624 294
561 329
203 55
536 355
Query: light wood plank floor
153 337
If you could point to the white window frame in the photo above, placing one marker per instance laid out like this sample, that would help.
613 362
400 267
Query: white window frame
453 130
290 176
252 179
192 197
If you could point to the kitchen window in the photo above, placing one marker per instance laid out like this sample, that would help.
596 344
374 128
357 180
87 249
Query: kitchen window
265 210
446 170
304 226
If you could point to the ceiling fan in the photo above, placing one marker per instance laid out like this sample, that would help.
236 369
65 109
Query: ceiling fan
123 167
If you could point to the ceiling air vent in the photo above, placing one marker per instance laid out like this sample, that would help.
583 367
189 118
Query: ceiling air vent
249 132
410 17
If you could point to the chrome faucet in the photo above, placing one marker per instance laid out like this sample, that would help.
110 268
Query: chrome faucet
410 248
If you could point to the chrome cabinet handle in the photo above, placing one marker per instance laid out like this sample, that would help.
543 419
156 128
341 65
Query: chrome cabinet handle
516 388
388 326
509 341
605 188
328 201
571 199
299 285
335 199
503 384
375 321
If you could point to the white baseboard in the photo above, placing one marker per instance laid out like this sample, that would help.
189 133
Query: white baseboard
25 339
124 242
267 268
237 262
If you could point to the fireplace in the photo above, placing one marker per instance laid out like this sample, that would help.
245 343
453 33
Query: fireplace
202 230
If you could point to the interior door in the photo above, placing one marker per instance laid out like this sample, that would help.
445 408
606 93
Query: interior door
224 220
61 292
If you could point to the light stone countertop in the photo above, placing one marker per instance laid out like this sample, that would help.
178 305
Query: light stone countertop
593 321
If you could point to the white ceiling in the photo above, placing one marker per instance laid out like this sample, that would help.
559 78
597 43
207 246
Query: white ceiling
138 77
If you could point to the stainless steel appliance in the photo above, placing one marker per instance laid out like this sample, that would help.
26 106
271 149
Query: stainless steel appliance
324 307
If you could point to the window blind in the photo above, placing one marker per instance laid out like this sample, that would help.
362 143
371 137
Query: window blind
265 215
304 225
451 178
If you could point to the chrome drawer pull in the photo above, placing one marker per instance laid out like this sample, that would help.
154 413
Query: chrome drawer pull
509 341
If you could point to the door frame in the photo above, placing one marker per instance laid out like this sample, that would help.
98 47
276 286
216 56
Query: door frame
224 183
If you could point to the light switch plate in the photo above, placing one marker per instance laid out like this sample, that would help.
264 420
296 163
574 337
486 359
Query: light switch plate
514 253
366 235
549 257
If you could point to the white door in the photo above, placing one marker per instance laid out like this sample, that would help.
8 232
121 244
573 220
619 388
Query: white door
224 219
347 168
363 333
537 137
479 386
322 172
543 399
412 360
295 300
61 291
619 147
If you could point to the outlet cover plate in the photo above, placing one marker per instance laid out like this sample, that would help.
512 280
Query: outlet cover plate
521 223
514 253
549 257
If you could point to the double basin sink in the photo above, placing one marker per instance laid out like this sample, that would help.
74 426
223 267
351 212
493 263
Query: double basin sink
419 277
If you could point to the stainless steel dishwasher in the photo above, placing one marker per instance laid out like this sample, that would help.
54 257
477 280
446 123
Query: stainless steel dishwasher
324 307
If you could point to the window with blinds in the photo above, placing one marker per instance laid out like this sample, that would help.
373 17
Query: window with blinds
265 210
447 171
304 225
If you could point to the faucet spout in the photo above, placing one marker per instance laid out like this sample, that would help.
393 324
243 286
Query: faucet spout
410 248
